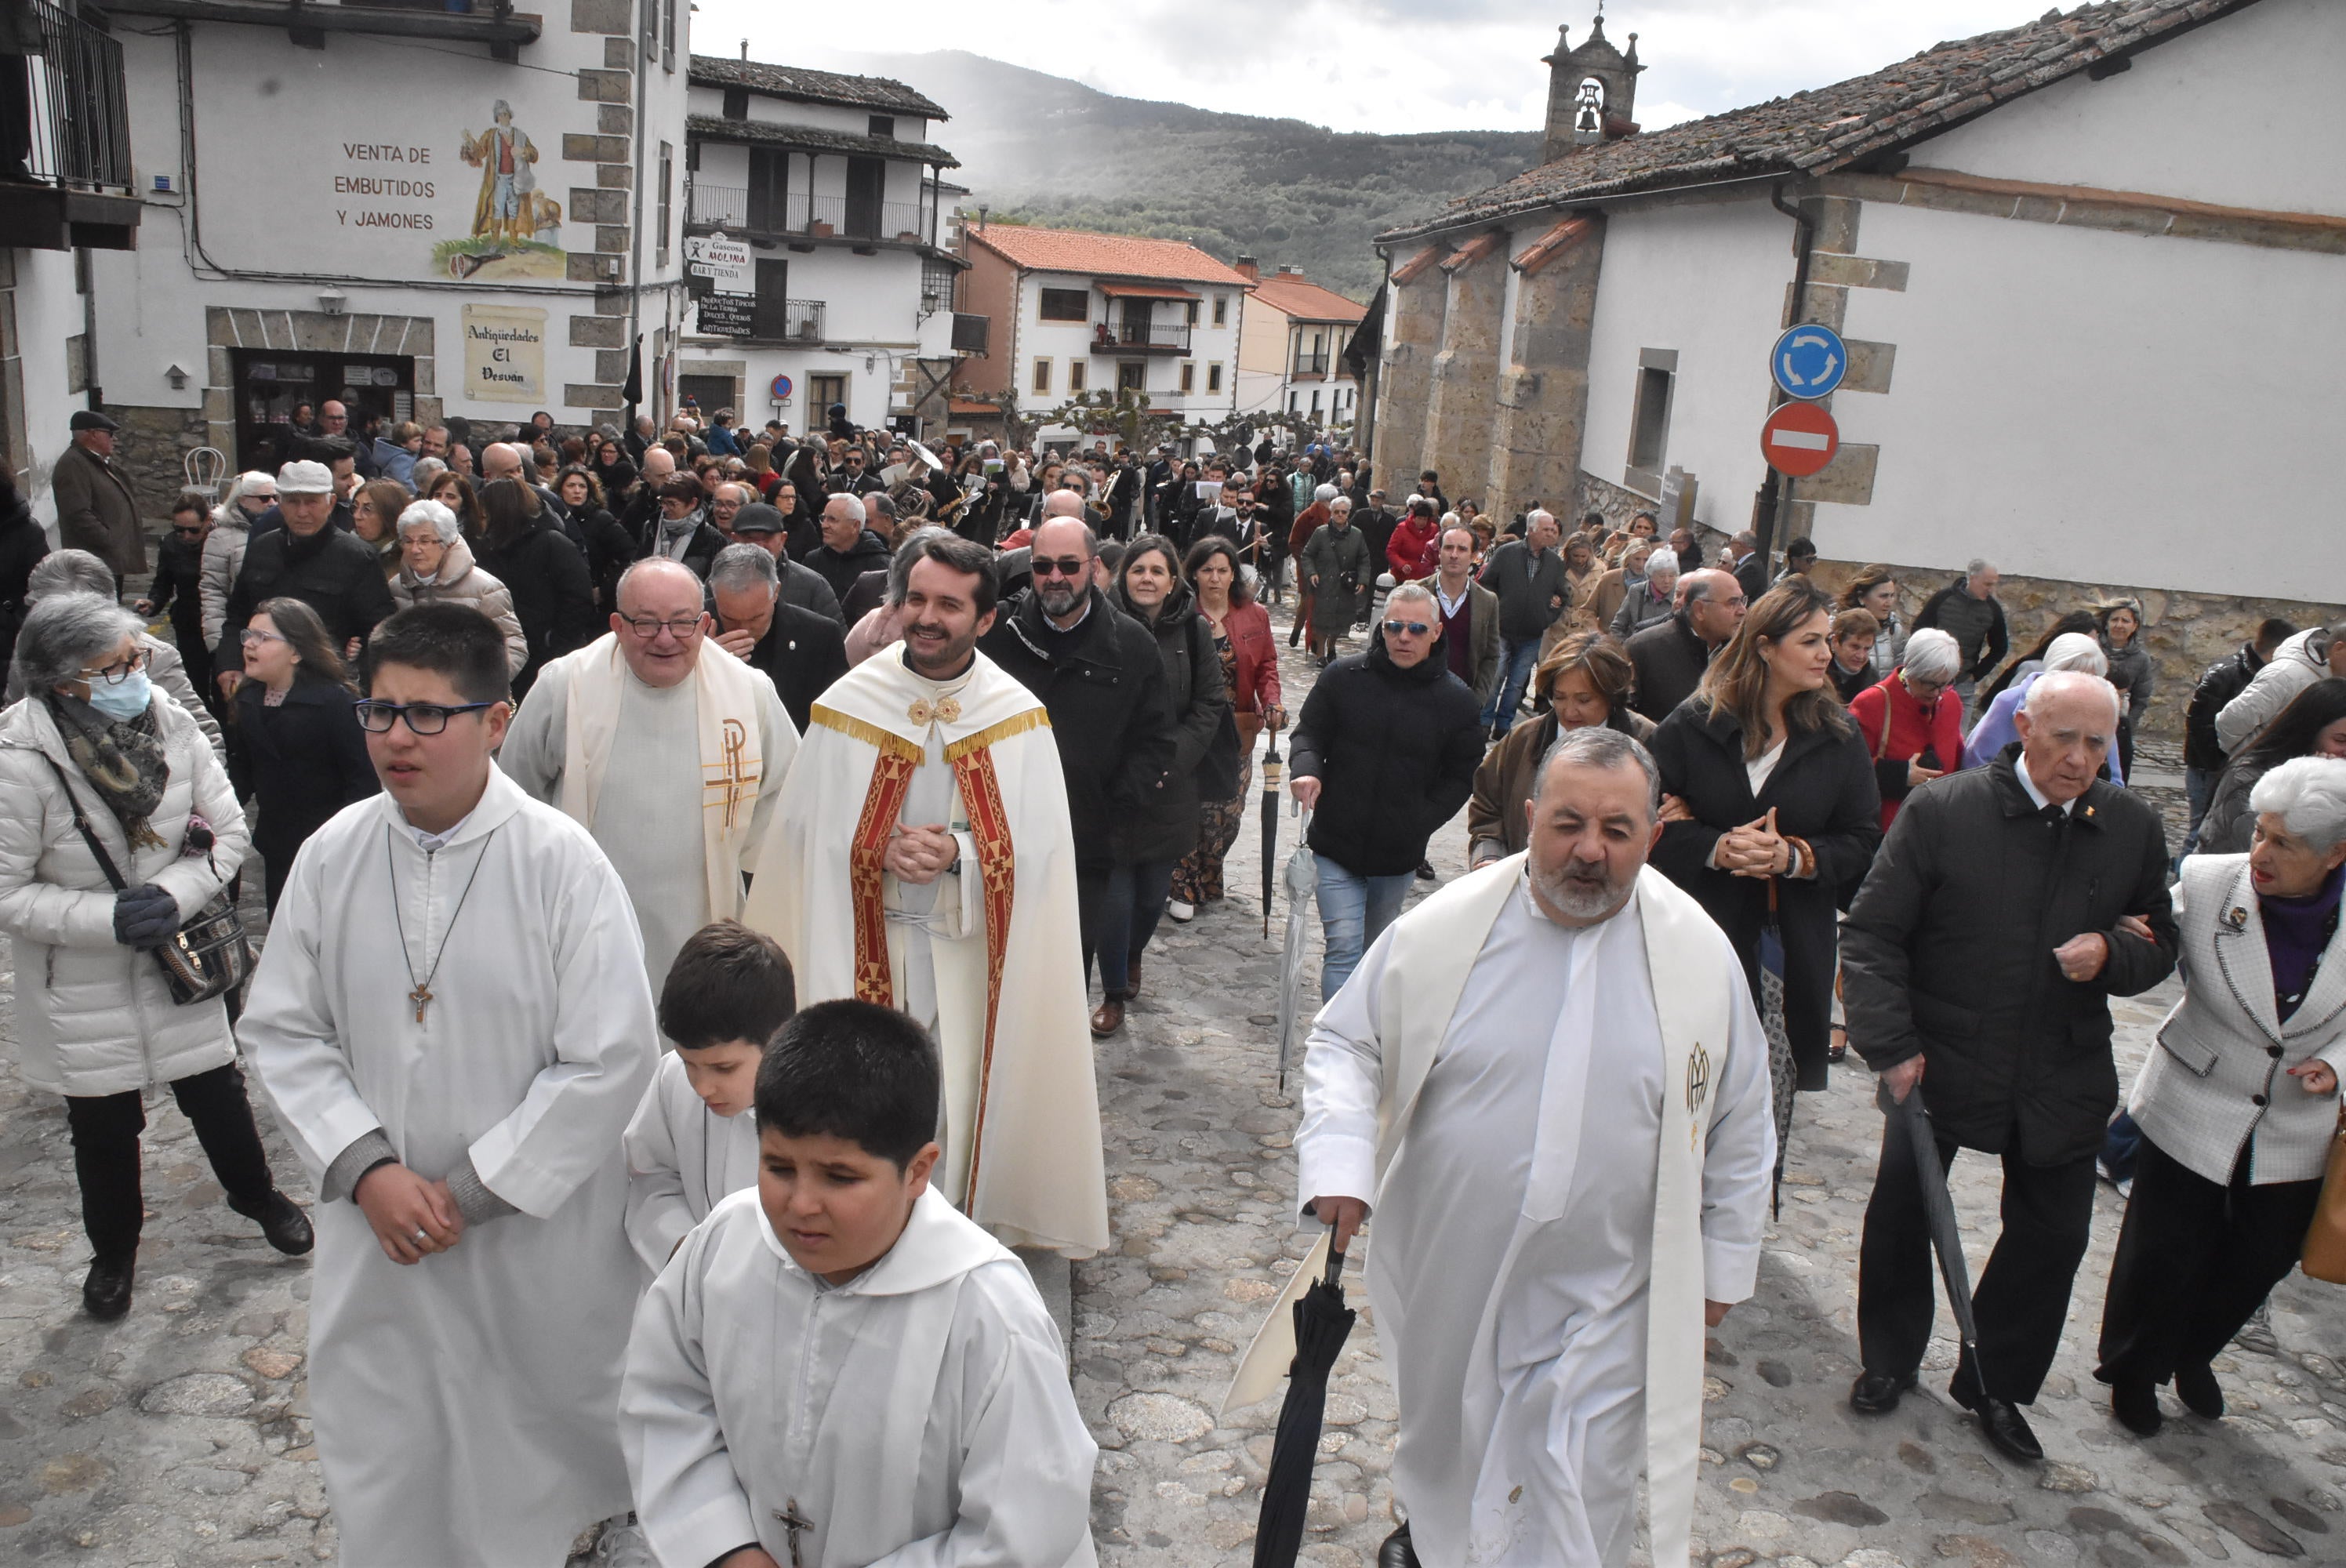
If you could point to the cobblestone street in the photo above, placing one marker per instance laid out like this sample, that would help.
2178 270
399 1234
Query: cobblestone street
180 1435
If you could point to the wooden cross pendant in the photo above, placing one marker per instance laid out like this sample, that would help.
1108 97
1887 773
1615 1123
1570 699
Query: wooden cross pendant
422 997
790 1519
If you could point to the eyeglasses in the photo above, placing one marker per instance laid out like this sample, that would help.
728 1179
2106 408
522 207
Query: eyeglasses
1415 628
253 636
649 627
186 527
1064 566
423 717
115 674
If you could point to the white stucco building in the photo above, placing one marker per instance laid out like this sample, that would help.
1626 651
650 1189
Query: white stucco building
1070 312
1292 350
423 212
2090 270
814 215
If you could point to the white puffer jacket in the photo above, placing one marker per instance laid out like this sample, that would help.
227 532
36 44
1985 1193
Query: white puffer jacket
94 1017
224 549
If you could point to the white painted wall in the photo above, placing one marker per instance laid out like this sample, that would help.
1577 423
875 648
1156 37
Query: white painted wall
867 390
265 192
1062 341
48 311
1707 281
2077 403
2247 111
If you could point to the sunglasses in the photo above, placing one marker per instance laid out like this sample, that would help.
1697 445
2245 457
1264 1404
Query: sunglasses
1065 567
186 527
1415 628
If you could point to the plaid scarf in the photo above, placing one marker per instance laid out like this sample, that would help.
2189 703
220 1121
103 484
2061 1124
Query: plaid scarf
123 761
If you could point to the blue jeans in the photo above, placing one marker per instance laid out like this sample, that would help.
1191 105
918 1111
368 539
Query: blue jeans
1132 898
2198 789
1353 911
1515 674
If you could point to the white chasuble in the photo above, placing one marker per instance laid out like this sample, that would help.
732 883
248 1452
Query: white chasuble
465 1405
1566 1160
678 784
988 956
918 1416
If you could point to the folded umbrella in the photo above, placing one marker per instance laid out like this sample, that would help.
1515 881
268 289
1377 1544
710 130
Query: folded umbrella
1302 878
1271 782
1946 1236
1322 1323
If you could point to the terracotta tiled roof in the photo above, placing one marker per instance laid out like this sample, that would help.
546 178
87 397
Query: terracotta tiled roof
807 139
1303 300
802 85
1102 255
1833 128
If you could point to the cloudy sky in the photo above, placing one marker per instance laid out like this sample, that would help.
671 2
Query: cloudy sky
1383 65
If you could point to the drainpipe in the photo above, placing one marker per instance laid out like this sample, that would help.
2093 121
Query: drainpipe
638 248
1775 490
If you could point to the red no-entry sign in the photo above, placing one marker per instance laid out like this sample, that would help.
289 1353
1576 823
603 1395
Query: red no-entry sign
1799 439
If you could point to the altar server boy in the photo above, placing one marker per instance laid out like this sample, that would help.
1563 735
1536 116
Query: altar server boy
836 1370
693 1139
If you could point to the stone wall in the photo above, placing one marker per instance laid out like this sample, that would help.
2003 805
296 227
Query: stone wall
1594 494
152 448
2184 632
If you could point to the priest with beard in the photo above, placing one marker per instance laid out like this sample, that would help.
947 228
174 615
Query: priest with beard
921 858
1549 1084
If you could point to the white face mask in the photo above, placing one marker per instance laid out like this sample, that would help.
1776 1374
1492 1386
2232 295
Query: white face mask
121 700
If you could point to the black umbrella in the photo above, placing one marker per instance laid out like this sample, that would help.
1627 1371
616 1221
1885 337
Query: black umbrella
1322 1323
1946 1236
1270 781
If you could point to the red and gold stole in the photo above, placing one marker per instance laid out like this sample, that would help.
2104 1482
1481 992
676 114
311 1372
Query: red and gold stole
989 825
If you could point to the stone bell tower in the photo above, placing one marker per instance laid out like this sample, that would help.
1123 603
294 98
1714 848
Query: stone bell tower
1591 92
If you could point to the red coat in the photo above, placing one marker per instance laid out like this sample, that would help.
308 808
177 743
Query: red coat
1413 551
1255 689
1911 730
1307 522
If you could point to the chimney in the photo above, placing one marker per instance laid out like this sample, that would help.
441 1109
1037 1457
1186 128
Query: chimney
1248 267
745 48
1591 93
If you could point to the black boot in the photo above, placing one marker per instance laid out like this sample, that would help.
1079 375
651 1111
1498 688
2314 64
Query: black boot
1397 1552
281 1221
106 1291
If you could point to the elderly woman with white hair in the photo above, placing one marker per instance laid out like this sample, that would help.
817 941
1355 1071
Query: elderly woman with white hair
435 564
2077 651
117 824
2239 1102
79 571
252 495
1913 722
1651 603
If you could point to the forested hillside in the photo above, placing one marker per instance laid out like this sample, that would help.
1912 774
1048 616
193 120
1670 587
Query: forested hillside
1045 149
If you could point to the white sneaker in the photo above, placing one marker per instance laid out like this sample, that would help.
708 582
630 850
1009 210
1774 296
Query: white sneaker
1182 914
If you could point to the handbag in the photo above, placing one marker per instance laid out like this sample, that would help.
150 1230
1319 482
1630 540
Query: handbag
2324 1257
210 955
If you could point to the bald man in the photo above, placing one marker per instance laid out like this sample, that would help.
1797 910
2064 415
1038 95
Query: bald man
666 748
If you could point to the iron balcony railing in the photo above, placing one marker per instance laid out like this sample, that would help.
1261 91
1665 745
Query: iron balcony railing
796 212
78 110
1311 364
1169 337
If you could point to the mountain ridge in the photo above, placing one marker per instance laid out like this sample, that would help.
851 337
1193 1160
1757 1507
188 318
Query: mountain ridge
1040 148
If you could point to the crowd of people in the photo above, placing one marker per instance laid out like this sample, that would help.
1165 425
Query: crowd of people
757 819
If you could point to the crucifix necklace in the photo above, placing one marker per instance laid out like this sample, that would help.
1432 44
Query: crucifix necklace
420 991
789 1517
